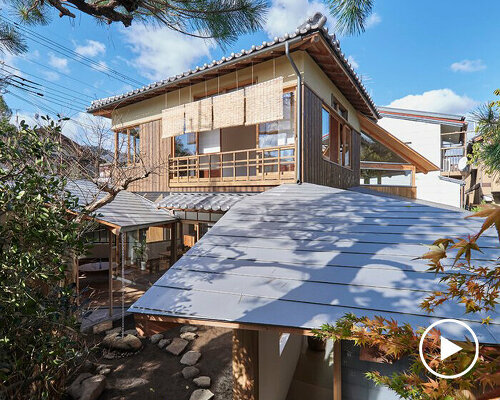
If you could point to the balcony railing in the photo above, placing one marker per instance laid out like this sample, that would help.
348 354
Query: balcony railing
273 165
450 156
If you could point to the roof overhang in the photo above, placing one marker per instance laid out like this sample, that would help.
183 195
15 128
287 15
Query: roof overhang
378 133
311 37
423 116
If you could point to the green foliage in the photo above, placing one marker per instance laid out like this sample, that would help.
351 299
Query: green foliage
351 14
11 40
39 345
486 149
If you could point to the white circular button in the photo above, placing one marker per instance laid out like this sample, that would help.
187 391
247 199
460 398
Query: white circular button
448 348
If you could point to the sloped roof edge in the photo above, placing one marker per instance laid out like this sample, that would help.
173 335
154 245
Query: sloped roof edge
421 163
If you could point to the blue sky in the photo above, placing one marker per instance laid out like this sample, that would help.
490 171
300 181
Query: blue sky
433 55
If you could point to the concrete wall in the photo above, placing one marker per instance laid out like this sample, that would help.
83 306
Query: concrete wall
425 138
276 370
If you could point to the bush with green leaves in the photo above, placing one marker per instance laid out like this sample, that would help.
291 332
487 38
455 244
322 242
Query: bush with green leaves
39 341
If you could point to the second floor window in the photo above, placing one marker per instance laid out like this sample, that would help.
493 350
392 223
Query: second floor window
185 145
336 138
279 133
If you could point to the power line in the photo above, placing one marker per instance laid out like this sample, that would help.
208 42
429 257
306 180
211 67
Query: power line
3 64
67 52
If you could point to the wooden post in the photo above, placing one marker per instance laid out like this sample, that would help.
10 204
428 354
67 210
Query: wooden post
413 173
110 273
245 364
173 243
116 147
337 370
76 266
128 147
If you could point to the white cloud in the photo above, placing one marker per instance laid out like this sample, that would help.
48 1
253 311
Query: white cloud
101 66
468 66
92 48
353 62
50 75
373 20
58 63
162 52
285 15
439 100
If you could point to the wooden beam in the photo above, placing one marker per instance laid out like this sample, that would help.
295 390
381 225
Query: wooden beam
382 165
173 243
337 370
245 364
227 324
116 147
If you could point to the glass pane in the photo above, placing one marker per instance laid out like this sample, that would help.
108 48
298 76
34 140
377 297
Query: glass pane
325 133
185 145
371 150
385 177
209 141
279 133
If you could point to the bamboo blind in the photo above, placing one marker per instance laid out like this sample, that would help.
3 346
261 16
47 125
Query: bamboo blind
173 121
264 102
198 115
229 109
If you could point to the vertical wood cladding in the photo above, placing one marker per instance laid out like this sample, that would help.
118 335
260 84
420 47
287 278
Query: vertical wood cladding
154 152
315 168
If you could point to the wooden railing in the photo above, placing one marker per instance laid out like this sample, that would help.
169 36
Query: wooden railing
273 165
450 156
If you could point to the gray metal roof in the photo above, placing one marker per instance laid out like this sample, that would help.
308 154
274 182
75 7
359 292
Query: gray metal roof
202 201
422 116
128 210
303 255
315 23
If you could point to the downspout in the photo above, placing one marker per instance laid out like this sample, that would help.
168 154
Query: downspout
299 115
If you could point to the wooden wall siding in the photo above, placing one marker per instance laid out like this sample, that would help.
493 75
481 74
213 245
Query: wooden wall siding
154 151
410 192
315 168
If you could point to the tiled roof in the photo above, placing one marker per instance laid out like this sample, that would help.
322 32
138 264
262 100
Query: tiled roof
303 255
202 201
128 210
315 23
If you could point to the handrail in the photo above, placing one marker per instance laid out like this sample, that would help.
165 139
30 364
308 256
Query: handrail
249 165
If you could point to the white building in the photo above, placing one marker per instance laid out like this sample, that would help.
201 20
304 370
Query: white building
441 138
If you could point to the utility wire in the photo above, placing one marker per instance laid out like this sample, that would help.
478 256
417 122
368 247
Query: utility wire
3 64
67 52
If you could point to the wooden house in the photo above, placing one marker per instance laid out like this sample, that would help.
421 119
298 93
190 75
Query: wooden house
286 111
287 227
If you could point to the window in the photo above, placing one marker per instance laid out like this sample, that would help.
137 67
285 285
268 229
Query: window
345 146
98 236
185 145
374 151
336 139
209 141
131 142
279 133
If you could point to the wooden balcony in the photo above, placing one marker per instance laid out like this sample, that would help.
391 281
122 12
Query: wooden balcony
269 166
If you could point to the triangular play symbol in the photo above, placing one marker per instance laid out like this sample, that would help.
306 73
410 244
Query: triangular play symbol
448 348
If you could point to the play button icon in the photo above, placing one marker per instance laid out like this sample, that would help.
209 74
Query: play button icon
447 347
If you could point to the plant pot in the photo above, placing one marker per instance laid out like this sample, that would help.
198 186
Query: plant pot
143 265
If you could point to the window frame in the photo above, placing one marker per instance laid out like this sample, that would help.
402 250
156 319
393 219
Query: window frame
133 144
338 125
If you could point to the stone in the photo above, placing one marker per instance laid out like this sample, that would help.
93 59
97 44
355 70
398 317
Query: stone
190 358
190 372
131 332
164 342
114 330
87 366
201 394
177 346
127 383
188 328
126 343
202 381
107 371
87 387
102 326
156 338
189 336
